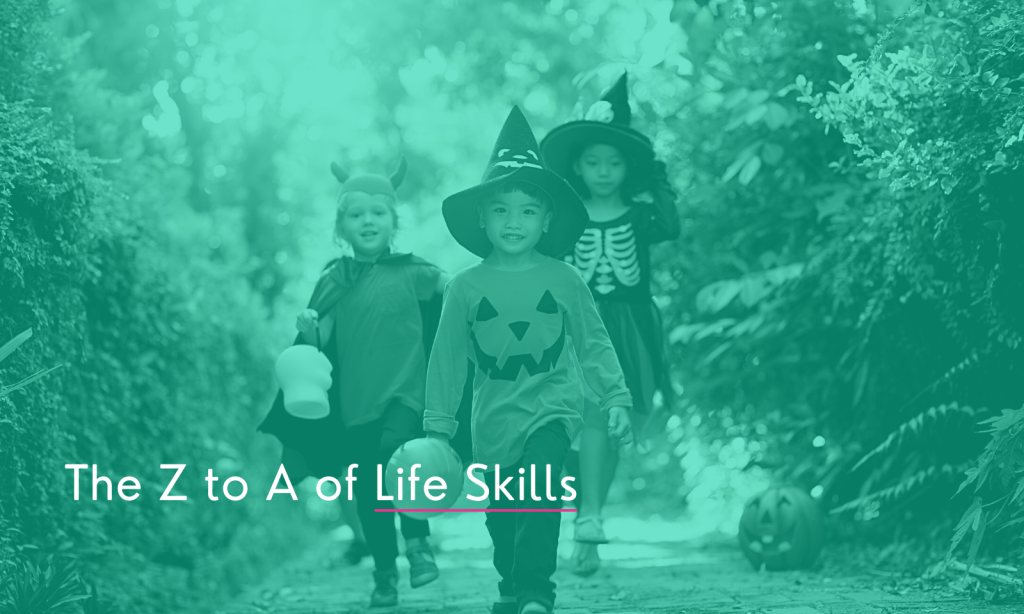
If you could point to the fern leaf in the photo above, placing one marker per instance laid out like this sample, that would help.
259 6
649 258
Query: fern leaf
964 364
1017 493
969 519
1004 422
961 366
972 474
1011 523
979 533
13 344
28 380
905 485
914 425
999 450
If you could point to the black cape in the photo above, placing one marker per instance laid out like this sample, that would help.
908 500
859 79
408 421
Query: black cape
317 447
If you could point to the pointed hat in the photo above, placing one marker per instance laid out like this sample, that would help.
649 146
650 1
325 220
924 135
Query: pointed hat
515 157
607 122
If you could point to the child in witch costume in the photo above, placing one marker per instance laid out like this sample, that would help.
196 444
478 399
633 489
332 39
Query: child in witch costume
512 316
375 314
631 206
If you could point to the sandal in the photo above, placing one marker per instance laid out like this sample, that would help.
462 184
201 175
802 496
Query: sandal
585 561
590 530
505 607
422 568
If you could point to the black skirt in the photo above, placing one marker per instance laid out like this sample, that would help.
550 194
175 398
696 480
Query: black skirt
635 329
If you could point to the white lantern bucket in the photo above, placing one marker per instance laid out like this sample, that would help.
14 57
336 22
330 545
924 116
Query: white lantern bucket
304 374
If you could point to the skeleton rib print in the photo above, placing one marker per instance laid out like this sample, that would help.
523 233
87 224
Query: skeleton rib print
611 255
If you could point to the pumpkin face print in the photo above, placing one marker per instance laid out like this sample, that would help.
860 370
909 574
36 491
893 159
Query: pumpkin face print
507 347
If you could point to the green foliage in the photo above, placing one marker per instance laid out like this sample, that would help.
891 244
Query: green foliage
22 29
43 589
998 477
914 425
914 118
167 346
892 202
903 487
6 350
941 122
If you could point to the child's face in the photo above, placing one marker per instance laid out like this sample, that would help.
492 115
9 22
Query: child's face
366 223
514 222
602 168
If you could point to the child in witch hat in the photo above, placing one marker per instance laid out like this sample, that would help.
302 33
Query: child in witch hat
631 206
512 315
375 313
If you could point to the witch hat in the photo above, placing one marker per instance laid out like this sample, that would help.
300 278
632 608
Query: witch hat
606 122
368 182
515 158
614 105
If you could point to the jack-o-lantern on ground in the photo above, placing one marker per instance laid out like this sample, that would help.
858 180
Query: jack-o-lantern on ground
782 528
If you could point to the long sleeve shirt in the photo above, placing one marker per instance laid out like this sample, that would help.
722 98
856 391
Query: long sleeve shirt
378 331
515 327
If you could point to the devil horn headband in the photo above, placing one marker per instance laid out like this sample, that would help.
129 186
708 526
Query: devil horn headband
399 175
339 173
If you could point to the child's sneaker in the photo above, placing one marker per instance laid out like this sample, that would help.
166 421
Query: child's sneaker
385 590
422 568
357 551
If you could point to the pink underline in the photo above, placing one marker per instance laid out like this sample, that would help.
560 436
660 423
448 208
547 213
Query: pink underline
391 509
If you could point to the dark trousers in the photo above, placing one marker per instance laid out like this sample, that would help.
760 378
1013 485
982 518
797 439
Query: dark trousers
369 445
526 543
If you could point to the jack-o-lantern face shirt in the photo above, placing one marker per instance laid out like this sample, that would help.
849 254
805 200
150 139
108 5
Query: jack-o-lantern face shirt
516 327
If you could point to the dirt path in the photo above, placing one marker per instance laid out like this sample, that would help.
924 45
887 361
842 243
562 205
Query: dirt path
651 566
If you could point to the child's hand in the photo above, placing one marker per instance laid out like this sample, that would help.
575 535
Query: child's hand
439 436
307 321
619 426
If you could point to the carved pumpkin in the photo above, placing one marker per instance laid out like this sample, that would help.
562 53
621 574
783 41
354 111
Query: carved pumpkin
437 459
504 348
782 528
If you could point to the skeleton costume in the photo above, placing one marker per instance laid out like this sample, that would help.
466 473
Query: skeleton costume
613 256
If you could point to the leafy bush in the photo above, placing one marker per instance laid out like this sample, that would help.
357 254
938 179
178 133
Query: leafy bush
941 123
43 589
849 279
998 479
167 350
